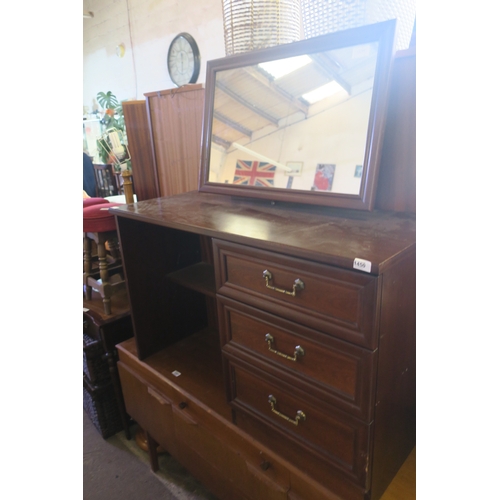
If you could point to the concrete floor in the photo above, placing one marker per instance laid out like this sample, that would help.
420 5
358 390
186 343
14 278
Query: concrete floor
117 469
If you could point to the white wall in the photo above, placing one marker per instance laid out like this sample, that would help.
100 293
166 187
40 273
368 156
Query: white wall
331 136
146 28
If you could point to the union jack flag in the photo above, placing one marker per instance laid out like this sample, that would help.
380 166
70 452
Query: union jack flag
254 173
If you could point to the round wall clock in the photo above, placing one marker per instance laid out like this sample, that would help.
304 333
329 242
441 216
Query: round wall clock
183 60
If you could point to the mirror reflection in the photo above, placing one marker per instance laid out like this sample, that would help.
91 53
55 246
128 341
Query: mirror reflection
297 123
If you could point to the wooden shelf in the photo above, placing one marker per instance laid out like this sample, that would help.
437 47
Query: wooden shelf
198 359
199 277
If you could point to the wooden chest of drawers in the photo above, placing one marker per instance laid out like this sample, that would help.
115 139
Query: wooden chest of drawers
340 303
262 360
340 372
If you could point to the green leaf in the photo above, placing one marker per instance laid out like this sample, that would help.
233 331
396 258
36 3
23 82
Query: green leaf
107 100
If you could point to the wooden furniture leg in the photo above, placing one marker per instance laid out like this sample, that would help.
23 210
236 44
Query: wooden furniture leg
128 188
111 357
87 264
103 272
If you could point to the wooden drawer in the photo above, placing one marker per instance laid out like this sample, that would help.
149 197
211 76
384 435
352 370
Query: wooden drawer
339 302
227 461
320 364
237 469
150 409
316 437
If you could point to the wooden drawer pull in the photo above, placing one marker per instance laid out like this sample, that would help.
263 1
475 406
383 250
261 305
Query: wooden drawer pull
295 421
299 351
158 397
180 412
297 284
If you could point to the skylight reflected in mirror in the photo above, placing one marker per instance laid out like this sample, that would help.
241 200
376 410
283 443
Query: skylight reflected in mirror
323 92
283 67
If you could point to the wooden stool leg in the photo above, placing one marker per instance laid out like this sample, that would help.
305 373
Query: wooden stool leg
103 272
87 265
114 248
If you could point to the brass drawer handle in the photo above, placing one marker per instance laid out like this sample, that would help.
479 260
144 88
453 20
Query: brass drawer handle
297 284
295 421
298 350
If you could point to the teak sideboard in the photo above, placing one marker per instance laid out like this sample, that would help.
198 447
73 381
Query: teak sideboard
274 348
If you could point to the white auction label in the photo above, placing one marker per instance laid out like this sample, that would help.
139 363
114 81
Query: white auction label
362 265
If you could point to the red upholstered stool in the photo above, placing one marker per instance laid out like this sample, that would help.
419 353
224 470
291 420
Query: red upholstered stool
99 225
91 255
87 202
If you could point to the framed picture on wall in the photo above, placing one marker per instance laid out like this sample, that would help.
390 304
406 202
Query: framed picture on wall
323 178
296 168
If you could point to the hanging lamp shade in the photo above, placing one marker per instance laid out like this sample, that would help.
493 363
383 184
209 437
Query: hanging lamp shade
325 16
257 24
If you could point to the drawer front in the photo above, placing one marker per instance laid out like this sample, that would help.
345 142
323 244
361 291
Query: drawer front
211 447
307 432
339 302
235 473
151 410
219 443
328 367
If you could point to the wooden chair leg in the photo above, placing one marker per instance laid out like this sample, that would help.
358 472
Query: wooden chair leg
87 265
104 273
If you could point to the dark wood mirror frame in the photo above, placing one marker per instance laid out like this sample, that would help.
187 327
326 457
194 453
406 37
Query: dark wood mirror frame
383 33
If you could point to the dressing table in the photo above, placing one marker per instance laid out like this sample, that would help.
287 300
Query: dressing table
274 328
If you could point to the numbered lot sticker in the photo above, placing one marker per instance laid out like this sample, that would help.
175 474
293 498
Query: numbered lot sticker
362 265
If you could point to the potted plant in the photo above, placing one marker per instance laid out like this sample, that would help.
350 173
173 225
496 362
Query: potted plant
113 119
113 123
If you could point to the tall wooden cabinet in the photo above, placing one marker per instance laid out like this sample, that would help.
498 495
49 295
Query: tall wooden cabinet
262 360
164 140
175 118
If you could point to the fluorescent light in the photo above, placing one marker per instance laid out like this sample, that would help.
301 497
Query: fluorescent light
285 66
324 91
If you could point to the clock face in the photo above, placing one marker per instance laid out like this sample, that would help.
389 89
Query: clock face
183 60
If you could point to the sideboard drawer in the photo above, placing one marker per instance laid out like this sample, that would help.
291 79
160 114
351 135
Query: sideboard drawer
327 298
248 474
150 409
332 369
310 434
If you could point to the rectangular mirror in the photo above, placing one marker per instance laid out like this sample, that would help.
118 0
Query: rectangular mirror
301 122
